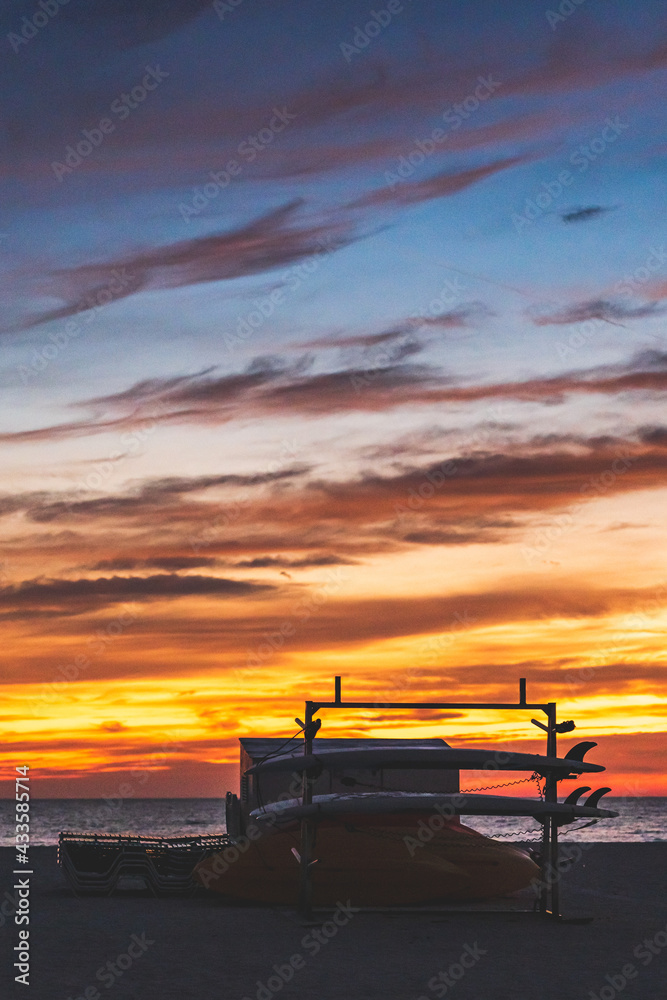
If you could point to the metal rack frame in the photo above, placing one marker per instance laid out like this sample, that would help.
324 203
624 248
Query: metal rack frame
549 898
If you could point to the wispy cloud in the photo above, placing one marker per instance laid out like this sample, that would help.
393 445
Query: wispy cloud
465 316
602 309
584 214
270 388
271 241
474 496
282 562
43 506
358 340
126 23
108 590
172 564
446 183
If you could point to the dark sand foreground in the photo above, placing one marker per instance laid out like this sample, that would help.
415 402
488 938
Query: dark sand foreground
201 948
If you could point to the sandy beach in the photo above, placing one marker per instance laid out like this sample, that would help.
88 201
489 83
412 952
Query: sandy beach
134 947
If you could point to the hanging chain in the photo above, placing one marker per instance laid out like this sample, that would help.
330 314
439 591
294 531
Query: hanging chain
530 836
506 784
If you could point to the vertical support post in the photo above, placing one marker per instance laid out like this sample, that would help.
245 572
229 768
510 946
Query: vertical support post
551 795
337 695
551 735
548 827
305 894
550 897
544 867
522 690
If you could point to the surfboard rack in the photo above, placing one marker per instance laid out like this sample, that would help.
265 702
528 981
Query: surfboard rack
549 889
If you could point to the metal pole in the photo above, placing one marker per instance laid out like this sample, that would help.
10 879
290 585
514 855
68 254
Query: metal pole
544 888
549 900
305 896
546 893
551 795
337 695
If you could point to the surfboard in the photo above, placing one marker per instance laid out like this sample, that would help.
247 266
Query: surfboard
429 757
457 804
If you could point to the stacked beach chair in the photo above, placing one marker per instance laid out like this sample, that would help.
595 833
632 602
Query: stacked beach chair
96 863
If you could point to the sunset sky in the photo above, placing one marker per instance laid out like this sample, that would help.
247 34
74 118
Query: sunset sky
329 351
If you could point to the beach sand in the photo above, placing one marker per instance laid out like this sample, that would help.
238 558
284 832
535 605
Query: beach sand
203 948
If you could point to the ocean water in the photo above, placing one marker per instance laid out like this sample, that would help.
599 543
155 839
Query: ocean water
149 817
640 820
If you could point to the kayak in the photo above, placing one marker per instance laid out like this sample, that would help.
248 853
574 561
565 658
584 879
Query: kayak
371 860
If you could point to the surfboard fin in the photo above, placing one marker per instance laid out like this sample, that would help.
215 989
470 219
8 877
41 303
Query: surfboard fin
592 800
579 751
572 798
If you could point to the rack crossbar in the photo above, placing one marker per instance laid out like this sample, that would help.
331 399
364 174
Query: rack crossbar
501 706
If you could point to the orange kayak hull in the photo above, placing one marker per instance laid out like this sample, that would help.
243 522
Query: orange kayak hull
390 861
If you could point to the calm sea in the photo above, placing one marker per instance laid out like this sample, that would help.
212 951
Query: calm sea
640 820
